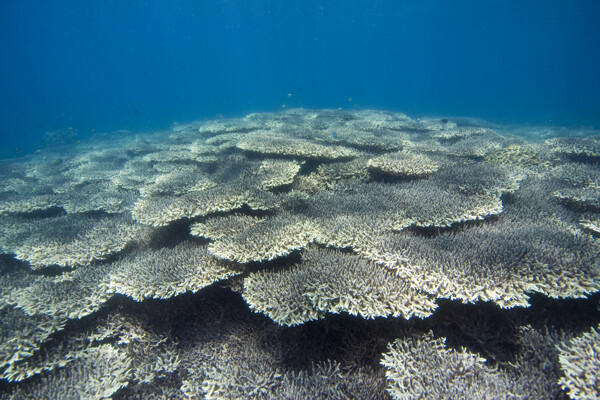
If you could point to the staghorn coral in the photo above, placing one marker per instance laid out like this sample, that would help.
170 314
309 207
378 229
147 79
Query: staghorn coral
331 381
581 366
499 261
331 175
70 240
81 199
424 367
576 147
94 167
27 204
500 219
185 156
274 174
350 284
351 214
251 357
281 296
96 373
591 223
68 296
225 141
518 154
584 198
448 131
403 164
152 350
370 133
265 240
97 197
18 184
134 174
330 281
221 227
166 272
578 185
476 146
178 181
21 336
148 353
436 125
445 199
162 210
292 147
229 126
181 154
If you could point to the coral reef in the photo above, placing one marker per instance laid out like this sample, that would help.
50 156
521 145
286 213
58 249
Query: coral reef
166 272
579 361
403 164
282 255
424 367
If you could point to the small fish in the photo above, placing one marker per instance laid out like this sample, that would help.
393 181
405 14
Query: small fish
334 135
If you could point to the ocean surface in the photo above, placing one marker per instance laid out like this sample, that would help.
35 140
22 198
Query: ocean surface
312 200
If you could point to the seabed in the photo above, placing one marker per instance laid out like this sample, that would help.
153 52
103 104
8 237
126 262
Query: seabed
306 254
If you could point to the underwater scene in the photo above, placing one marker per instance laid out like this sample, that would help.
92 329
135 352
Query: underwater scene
300 200
304 254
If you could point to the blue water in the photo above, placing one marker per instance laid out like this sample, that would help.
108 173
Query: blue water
82 67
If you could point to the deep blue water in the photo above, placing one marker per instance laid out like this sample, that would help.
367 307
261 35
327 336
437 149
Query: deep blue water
109 65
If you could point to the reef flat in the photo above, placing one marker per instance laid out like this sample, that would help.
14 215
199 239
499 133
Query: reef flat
304 254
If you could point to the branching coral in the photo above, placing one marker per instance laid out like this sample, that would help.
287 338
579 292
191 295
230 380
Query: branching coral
581 365
76 240
222 227
291 147
368 215
95 373
329 281
499 261
273 174
588 147
71 240
424 367
71 295
403 164
267 240
578 185
166 272
177 182
162 210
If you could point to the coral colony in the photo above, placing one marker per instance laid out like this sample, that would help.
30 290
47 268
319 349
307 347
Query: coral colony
306 254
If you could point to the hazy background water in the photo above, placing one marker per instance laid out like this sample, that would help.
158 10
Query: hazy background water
78 67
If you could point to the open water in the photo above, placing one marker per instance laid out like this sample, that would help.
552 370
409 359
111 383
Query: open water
299 200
